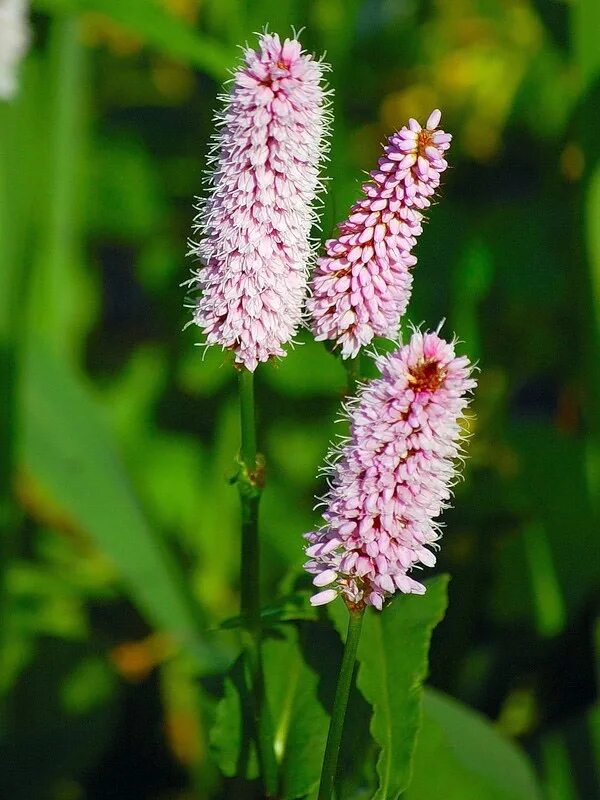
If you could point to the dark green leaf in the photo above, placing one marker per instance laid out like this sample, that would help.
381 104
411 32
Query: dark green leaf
460 756
299 720
393 664
231 735
585 23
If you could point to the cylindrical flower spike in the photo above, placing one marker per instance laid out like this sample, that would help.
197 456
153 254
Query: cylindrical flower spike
361 287
255 223
14 38
393 477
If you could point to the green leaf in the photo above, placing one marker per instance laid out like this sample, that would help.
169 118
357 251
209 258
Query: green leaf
75 475
393 664
231 735
299 720
158 28
459 756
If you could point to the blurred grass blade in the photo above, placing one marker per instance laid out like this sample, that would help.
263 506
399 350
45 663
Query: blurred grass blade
158 28
18 185
10 324
459 756
67 452
557 768
472 281
585 24
548 601
56 302
585 27
592 217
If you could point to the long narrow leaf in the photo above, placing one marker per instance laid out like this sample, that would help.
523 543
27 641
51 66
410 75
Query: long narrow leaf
67 452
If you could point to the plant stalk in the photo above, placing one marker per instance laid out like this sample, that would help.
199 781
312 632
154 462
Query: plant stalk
250 487
250 484
340 704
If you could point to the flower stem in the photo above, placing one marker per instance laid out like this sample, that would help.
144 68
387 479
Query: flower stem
250 485
342 692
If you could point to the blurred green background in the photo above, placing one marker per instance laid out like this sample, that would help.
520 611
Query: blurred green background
120 529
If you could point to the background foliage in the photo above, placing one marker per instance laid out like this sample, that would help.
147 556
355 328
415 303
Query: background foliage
120 530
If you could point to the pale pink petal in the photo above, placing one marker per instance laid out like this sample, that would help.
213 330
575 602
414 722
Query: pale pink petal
322 598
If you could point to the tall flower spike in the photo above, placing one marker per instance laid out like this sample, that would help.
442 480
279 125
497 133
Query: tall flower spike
14 38
255 223
361 287
392 478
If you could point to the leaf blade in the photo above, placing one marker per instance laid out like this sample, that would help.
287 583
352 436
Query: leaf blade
391 678
299 720
471 759
67 450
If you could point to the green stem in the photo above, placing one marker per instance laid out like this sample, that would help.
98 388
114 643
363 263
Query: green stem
250 487
250 490
247 415
340 704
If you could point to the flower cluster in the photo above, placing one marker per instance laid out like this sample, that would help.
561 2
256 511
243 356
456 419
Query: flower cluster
14 38
361 287
255 223
392 478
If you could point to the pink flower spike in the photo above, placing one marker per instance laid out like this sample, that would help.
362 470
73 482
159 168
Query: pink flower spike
392 478
255 222
362 285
